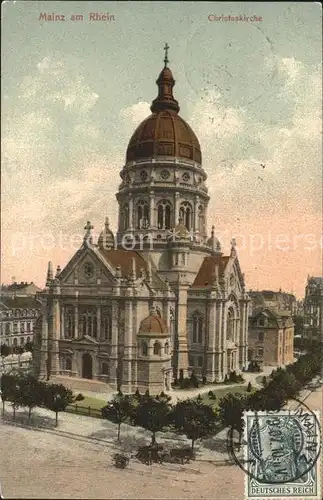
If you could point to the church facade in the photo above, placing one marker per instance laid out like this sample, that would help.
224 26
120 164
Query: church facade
157 300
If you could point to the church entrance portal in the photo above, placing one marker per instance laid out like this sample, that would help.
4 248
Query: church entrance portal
87 366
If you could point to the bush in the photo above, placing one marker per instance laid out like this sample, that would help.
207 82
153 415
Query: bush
194 381
249 387
211 395
120 461
264 381
185 383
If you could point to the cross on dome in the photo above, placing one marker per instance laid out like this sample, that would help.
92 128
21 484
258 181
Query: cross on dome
166 54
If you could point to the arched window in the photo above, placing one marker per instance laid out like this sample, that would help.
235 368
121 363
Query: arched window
157 349
142 214
28 339
15 342
106 332
22 340
197 328
88 322
166 348
144 349
201 219
158 312
164 215
68 364
70 325
185 215
230 325
125 217
105 368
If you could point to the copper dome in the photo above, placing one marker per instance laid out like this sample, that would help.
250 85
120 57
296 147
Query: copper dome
153 325
164 132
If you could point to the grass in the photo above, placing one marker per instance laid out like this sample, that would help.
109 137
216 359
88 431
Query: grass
88 406
241 389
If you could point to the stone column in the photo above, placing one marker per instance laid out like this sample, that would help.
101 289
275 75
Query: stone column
152 221
131 213
76 321
196 214
62 321
128 336
98 322
56 333
114 342
211 348
224 338
182 331
177 203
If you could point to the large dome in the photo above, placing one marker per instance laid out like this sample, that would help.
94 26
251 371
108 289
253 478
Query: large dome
164 132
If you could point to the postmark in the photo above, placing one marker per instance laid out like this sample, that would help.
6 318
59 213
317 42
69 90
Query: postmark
282 452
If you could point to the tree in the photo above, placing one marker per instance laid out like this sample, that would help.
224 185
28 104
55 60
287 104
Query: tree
118 411
231 408
57 398
195 420
8 389
152 414
28 347
4 350
32 393
249 387
284 381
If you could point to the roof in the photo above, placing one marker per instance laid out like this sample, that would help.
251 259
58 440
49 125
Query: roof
164 132
20 303
206 273
153 325
18 286
124 259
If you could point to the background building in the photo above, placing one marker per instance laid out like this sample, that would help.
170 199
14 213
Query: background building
271 327
22 289
271 337
18 316
313 312
96 310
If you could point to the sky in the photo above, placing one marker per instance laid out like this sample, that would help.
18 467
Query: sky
73 92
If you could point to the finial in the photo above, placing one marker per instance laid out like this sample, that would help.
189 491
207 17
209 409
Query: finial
88 228
107 223
58 271
212 232
133 270
50 274
233 247
166 54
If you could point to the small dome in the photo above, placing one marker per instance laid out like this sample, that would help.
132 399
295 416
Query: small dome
153 325
213 242
106 238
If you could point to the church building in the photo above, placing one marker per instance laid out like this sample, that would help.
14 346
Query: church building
157 299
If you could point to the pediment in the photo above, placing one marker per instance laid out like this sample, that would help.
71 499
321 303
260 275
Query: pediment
87 268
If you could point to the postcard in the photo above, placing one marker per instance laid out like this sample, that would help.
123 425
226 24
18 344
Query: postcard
161 308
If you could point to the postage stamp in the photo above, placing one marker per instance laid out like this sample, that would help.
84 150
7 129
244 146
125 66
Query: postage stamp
282 455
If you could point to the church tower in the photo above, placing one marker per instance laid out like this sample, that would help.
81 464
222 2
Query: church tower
163 193
159 300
